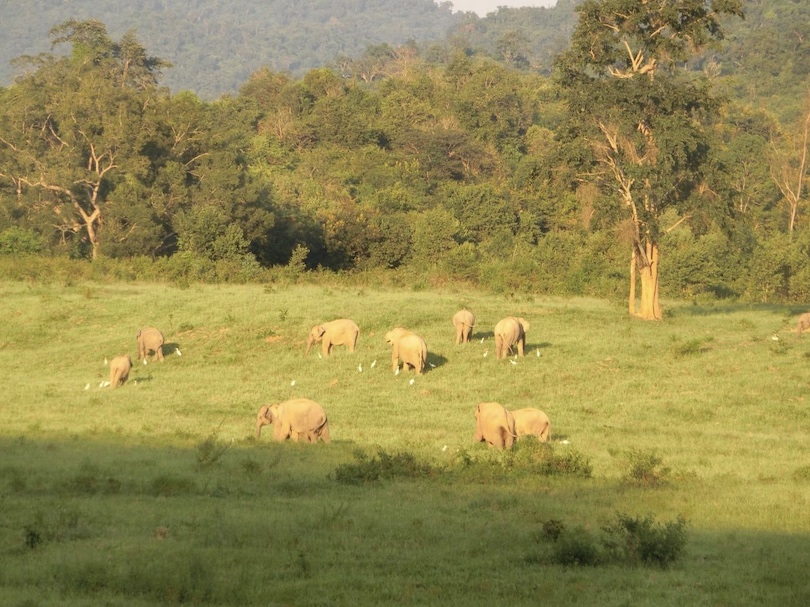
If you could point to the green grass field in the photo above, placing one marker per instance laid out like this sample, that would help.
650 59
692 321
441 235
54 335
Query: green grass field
157 493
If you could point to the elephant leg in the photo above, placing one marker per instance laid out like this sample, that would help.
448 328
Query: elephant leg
324 433
520 345
326 347
160 353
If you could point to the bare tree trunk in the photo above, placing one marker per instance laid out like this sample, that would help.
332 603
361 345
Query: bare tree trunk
650 305
631 303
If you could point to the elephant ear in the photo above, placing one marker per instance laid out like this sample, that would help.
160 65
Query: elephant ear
320 330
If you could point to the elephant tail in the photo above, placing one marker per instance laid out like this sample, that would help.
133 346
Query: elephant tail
323 432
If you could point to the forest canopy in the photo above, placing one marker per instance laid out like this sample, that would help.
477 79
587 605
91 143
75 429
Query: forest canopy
460 158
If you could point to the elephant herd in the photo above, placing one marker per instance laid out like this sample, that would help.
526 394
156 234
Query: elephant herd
302 419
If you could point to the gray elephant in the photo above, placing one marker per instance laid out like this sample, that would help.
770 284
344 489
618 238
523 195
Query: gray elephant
509 332
150 340
532 422
120 366
804 323
463 321
408 347
296 419
494 425
341 332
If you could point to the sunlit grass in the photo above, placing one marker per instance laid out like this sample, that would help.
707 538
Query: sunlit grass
157 492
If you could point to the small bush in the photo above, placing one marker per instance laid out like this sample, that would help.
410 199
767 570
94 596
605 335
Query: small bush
643 541
691 347
532 455
381 466
577 547
646 469
209 450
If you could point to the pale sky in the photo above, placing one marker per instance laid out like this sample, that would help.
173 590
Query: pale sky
482 7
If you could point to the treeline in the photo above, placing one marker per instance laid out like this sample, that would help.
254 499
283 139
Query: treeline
214 45
465 169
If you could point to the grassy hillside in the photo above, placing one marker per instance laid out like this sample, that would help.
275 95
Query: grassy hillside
158 493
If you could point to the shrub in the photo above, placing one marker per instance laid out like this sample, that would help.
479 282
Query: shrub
646 469
532 455
576 547
381 466
19 241
634 540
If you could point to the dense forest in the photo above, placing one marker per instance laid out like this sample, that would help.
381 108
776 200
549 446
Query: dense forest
676 138
215 45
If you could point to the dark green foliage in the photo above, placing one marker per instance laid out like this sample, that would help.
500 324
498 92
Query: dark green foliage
634 540
381 466
625 540
20 241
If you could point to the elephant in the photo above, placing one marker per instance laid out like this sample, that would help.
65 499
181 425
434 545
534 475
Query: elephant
150 340
341 332
408 347
463 321
508 332
804 323
494 425
296 419
120 366
532 422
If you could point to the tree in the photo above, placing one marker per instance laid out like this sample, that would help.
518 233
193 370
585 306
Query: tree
75 126
638 116
790 166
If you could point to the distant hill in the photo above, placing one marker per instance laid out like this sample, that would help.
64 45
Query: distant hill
216 44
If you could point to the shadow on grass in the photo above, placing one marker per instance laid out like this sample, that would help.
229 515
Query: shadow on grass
723 308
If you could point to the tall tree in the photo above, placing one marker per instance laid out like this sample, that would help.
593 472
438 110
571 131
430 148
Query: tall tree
638 116
790 166
71 129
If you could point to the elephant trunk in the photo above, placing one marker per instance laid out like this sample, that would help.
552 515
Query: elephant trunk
310 340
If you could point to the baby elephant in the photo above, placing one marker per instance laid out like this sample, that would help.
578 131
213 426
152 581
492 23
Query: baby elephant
297 419
341 332
804 323
494 425
150 340
463 321
408 347
120 366
508 332
532 422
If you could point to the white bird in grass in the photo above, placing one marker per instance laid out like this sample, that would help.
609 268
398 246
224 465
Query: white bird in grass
87 387
564 442
178 352
482 340
144 362
360 367
105 361
411 382
538 353
432 366
485 353
292 383
319 355
101 385
374 364
775 338
397 371
513 362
